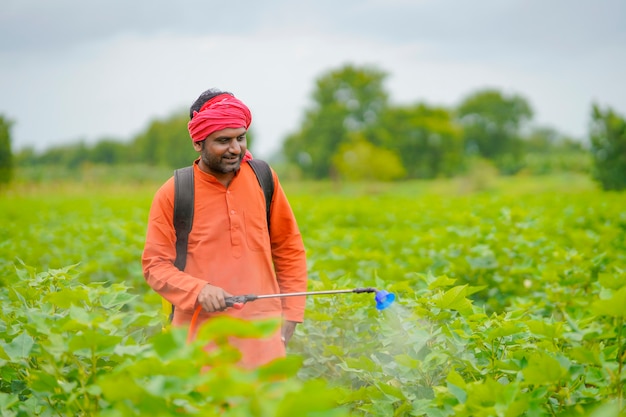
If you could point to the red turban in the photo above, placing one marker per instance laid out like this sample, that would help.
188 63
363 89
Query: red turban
221 112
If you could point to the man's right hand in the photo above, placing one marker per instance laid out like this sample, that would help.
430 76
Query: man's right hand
211 298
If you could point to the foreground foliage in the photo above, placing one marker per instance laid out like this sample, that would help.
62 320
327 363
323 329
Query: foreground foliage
68 348
509 303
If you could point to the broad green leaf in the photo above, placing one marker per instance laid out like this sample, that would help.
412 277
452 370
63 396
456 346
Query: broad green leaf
80 315
456 386
225 326
146 367
455 378
3 354
7 401
441 281
19 348
508 365
505 328
42 382
67 297
391 392
316 399
613 306
406 361
93 340
94 390
542 328
424 407
116 298
281 368
486 396
158 385
607 409
119 387
474 289
18 386
130 350
585 355
614 281
483 394
543 370
360 364
68 386
454 299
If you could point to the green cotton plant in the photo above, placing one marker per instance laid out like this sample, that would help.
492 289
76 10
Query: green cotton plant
384 361
168 381
509 302
611 351
59 335
436 353
51 232
69 348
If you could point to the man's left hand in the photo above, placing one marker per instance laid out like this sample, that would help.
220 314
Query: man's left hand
287 331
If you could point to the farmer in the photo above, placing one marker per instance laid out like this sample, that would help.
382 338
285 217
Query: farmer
230 251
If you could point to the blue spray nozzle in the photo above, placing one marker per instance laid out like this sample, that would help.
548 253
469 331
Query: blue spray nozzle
384 299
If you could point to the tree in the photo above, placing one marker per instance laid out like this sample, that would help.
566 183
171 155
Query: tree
6 155
426 138
360 160
165 142
345 101
492 123
109 151
608 147
71 155
547 151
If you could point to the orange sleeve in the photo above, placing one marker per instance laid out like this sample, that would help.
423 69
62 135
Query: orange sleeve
179 288
288 254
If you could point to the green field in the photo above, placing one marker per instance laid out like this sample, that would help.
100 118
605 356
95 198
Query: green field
511 301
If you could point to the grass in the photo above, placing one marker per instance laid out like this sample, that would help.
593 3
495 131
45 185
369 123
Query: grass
143 180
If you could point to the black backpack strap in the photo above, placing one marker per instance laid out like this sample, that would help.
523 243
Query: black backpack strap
183 215
266 180
183 212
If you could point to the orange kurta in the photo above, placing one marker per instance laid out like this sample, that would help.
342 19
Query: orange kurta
229 246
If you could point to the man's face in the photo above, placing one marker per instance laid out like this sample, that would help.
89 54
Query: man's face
222 151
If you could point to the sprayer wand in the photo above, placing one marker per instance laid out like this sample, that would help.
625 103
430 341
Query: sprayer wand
383 298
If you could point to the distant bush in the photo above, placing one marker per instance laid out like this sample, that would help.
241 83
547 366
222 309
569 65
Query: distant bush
6 155
360 160
608 146
94 173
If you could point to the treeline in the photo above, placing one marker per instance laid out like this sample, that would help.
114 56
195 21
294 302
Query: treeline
352 130
163 143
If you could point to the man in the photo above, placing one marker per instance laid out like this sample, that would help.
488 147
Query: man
230 251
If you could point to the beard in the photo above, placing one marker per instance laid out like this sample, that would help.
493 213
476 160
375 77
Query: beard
222 164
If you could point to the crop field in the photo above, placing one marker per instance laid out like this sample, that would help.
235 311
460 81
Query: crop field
511 299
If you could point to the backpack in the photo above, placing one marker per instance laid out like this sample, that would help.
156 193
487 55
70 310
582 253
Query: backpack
183 208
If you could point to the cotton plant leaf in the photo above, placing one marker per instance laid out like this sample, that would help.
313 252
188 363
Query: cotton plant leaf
613 306
455 299
19 348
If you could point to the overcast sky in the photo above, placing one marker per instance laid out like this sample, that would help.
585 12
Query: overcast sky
75 70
